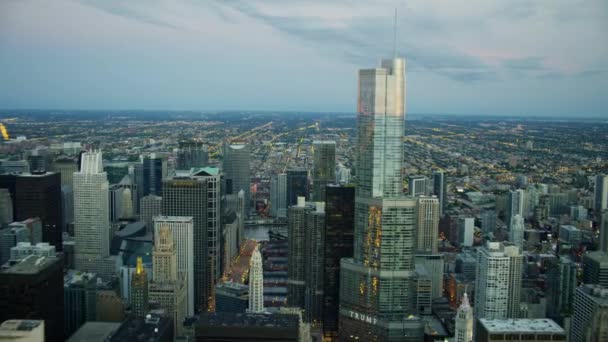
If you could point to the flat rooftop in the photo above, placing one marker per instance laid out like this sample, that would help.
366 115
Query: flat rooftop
94 332
32 264
231 319
524 325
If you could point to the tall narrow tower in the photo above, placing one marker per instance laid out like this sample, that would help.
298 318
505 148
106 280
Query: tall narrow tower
91 214
464 321
376 299
324 167
256 283
139 290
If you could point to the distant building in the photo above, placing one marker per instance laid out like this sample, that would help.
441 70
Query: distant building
66 166
152 328
507 330
39 195
440 190
601 193
168 288
595 268
150 206
314 263
515 205
192 154
337 244
6 207
256 283
418 185
80 300
297 186
498 281
21 330
231 297
182 229
296 285
466 231
516 231
427 224
154 171
33 288
464 322
91 217
324 167
278 195
139 291
590 314
9 238
236 171
488 221
561 283
197 195
235 327
95 332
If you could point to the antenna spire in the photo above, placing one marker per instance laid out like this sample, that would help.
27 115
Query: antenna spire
395 35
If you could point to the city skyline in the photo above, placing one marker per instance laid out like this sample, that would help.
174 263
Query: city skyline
519 58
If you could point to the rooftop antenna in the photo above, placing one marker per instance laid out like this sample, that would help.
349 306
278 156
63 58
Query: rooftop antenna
395 35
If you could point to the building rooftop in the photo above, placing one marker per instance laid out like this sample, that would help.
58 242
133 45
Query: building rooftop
230 319
76 278
598 292
521 325
31 264
94 332
149 329
174 218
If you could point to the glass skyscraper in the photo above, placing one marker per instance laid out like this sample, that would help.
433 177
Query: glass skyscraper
376 297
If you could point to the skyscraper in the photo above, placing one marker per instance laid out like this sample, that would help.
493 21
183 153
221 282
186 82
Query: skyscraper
39 195
168 287
256 283
561 281
376 299
91 216
418 185
6 207
139 290
278 195
324 167
154 170
464 321
515 205
33 288
337 244
516 231
427 224
150 206
296 235
440 190
590 302
182 229
466 231
192 154
313 262
236 171
601 193
297 185
498 281
197 195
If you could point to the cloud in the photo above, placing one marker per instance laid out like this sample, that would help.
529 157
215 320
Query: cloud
122 9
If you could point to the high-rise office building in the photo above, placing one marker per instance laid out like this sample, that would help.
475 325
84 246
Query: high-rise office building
561 284
6 207
39 195
595 268
139 296
168 288
91 215
296 267
376 297
33 288
256 283
9 238
488 221
79 299
66 166
466 231
192 154
297 185
278 195
182 229
604 233
236 171
601 193
149 207
590 306
313 261
515 205
516 231
197 195
324 167
498 281
418 185
427 224
464 322
337 244
154 171
440 190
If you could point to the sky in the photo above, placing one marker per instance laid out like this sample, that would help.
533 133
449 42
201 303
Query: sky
502 57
